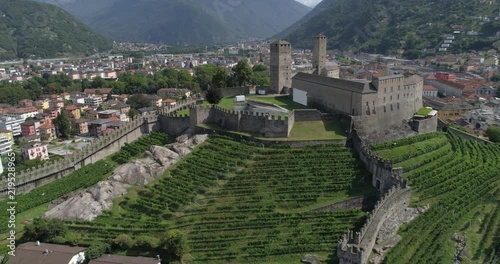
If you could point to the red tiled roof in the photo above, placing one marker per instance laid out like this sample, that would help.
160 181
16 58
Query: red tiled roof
430 88
452 84
102 90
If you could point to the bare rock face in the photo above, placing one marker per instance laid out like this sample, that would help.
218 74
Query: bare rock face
90 203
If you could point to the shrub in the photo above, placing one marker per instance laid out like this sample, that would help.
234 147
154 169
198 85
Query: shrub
146 242
123 241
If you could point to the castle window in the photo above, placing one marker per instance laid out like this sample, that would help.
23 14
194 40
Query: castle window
385 90
384 99
391 97
385 110
373 103
398 105
391 108
398 96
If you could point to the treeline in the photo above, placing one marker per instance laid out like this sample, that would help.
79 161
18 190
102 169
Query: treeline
204 76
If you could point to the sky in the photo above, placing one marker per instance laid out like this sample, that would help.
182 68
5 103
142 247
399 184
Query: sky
310 3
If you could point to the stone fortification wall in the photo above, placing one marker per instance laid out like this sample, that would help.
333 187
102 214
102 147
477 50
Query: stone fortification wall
442 126
234 91
257 123
307 115
363 203
424 126
355 247
104 146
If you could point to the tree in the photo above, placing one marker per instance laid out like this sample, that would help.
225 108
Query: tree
259 68
123 241
98 82
146 242
109 97
261 78
133 113
493 133
243 72
220 78
495 78
214 95
176 243
96 250
204 74
44 229
138 101
63 125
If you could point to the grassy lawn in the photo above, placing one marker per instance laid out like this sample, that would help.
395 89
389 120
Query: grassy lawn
424 111
316 130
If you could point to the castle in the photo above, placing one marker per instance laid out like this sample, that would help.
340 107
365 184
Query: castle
379 102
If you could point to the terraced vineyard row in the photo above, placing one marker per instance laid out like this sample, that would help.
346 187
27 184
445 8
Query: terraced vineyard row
236 201
460 179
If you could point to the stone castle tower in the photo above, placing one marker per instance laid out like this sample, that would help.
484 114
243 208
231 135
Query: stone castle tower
319 54
281 66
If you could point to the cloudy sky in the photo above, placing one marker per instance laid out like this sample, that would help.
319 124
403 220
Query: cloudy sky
310 3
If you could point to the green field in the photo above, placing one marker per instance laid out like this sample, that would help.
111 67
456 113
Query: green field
460 180
241 203
317 130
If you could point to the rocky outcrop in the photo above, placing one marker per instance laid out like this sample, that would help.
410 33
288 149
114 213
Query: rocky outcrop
90 203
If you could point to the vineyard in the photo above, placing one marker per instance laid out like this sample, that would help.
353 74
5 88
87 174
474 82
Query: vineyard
460 179
80 179
244 203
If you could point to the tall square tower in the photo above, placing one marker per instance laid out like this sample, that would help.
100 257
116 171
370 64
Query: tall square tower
319 54
281 66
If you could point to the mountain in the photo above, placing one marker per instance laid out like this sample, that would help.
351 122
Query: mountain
35 30
382 26
185 21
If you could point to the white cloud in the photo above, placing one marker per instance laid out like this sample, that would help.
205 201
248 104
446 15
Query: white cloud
310 3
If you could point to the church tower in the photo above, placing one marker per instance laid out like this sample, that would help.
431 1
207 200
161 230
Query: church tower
319 54
281 66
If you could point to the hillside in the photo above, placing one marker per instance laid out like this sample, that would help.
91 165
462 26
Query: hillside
459 179
185 21
380 26
35 30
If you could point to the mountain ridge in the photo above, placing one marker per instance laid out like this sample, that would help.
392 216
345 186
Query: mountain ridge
36 30
186 21
382 26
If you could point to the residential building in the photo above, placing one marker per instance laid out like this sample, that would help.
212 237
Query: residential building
34 150
47 132
169 102
12 124
115 259
173 92
23 112
430 90
93 101
97 127
99 91
116 105
448 88
5 145
7 134
43 104
52 112
72 111
106 114
81 125
44 253
446 76
449 108
92 115
486 90
54 103
154 100
30 128
26 103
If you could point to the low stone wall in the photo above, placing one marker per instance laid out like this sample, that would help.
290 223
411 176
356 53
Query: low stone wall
423 126
302 115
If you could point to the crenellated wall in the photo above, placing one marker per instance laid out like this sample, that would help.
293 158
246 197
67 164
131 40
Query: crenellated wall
394 192
251 122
